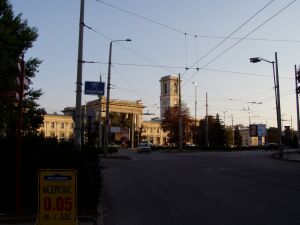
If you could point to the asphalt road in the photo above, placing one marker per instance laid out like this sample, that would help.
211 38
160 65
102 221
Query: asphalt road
223 188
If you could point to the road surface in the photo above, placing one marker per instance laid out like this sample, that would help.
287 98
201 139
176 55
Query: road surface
219 188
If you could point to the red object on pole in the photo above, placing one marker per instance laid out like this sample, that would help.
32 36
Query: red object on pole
19 138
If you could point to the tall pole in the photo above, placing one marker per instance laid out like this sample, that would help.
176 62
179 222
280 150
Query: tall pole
132 130
232 130
297 108
106 130
195 126
278 108
77 129
206 136
100 119
224 117
19 137
180 115
107 126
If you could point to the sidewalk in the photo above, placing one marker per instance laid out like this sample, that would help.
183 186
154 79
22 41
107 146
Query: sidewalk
289 155
83 220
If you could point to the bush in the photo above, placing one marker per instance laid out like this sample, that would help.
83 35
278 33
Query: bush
46 153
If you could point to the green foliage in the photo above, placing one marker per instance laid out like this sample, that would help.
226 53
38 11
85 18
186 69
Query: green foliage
15 38
216 133
237 137
229 136
40 153
272 135
170 123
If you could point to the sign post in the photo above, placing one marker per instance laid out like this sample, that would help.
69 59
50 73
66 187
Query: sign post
57 200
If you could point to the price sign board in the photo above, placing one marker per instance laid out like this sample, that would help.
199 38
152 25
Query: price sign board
57 200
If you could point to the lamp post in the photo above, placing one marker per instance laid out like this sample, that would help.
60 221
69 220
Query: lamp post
224 116
107 130
195 126
277 94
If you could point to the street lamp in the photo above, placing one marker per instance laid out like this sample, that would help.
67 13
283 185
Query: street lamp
224 116
196 84
107 130
277 94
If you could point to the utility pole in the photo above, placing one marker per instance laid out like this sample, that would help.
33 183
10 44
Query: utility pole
77 129
206 136
232 130
180 114
100 118
224 116
297 79
19 137
195 125
278 108
132 130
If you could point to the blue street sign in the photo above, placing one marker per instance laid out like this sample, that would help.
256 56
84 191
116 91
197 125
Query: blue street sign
94 88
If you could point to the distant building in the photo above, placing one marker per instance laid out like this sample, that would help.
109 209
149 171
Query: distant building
152 132
126 109
254 135
57 126
169 93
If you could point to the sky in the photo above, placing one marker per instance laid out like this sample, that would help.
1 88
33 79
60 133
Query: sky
216 36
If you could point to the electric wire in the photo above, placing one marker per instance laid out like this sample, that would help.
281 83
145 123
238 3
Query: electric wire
230 35
249 33
189 33
128 49
182 67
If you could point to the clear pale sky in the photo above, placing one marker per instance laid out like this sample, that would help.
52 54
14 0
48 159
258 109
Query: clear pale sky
163 42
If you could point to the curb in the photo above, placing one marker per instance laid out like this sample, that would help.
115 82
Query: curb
275 156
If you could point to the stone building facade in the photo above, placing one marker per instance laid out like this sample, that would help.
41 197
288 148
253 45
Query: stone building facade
57 126
169 93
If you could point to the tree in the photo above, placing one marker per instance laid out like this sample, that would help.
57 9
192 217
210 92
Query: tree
216 133
170 123
16 37
272 135
237 137
229 136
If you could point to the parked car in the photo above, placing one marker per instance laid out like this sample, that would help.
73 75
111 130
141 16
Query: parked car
144 147
271 146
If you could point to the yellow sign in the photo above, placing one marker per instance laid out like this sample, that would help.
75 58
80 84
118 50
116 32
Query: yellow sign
57 203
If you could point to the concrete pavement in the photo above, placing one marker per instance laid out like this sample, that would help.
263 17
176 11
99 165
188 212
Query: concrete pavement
288 155
213 188
32 221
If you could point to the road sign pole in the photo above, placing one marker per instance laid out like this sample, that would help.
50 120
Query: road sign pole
19 138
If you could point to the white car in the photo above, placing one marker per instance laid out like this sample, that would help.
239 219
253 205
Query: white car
144 147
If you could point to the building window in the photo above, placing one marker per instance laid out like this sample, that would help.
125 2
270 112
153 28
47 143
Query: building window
52 134
62 125
158 140
165 88
151 140
175 88
52 124
158 130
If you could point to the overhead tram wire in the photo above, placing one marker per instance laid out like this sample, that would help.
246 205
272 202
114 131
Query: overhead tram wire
225 39
188 33
194 68
249 33
127 48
